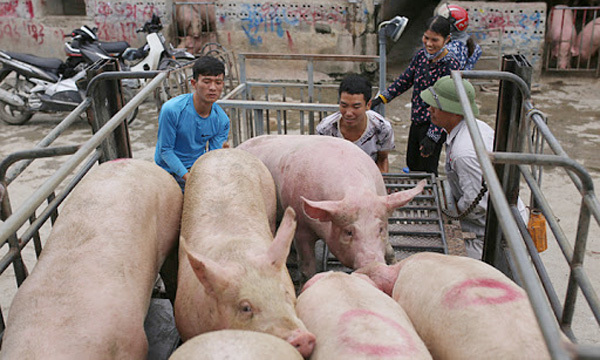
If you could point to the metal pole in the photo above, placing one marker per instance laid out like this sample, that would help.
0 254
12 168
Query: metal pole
510 230
311 94
508 137
107 102
382 67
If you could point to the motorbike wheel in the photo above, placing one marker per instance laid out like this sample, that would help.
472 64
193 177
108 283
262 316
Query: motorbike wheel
128 94
9 113
169 87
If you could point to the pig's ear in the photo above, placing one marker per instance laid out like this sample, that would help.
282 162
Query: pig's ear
402 198
280 247
212 275
321 210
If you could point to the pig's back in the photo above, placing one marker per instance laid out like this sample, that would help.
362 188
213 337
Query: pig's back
236 344
230 194
321 162
89 292
464 308
352 319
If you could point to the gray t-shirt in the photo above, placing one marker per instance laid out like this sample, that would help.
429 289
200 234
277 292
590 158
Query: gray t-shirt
378 136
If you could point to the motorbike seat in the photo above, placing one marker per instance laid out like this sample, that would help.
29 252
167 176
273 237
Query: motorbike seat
47 64
116 47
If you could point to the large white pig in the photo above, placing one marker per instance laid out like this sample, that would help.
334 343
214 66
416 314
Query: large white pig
463 308
88 295
357 322
236 344
588 40
337 192
232 272
562 35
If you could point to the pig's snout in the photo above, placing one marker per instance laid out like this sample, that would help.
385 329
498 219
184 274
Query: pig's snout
303 341
366 257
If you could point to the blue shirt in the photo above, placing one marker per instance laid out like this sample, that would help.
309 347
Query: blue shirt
183 134
461 52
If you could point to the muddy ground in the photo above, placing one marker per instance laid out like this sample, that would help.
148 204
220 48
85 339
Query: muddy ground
573 109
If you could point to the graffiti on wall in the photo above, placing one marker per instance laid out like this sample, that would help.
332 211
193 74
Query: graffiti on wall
17 24
280 19
518 28
118 21
115 21
16 8
508 28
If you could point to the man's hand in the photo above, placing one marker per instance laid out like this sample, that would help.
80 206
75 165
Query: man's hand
186 176
427 147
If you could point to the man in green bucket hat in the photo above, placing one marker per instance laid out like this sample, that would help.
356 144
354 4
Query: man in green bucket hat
462 167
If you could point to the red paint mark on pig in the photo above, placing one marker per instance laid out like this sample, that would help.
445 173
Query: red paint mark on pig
461 295
405 345
313 280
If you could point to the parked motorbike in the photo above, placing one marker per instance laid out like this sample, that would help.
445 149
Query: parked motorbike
31 84
155 54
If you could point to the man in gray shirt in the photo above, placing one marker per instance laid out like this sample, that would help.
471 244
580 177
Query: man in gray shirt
462 166
354 122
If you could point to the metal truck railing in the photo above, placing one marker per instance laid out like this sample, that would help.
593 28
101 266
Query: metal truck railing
283 103
513 251
110 140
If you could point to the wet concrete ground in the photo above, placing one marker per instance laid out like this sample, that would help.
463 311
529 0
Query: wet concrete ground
572 106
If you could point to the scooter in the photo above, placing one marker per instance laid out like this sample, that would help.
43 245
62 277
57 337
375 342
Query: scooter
155 54
31 84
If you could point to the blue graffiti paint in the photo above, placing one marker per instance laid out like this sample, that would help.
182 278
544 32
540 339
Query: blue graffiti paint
254 40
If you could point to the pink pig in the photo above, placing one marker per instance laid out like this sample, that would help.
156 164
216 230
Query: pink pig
357 322
463 308
232 272
562 34
88 295
236 344
338 193
588 40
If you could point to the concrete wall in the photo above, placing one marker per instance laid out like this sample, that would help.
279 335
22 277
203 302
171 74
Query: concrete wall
288 26
510 28
26 27
296 27
337 27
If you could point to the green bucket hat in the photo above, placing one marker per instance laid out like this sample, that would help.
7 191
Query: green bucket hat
443 95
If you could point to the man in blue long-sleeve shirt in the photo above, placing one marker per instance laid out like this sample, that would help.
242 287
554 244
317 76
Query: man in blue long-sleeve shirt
191 124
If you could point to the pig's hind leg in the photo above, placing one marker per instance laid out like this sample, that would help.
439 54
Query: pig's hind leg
304 242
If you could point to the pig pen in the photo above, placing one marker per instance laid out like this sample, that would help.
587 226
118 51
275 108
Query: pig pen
111 140
573 40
